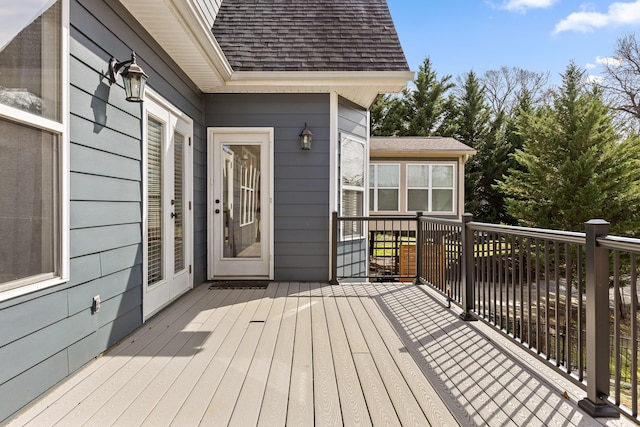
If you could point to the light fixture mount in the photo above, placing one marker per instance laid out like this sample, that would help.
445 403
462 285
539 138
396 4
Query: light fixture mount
133 77
305 138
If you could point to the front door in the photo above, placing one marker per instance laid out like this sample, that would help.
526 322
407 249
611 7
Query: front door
240 203
167 219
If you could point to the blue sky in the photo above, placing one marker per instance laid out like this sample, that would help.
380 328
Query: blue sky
537 35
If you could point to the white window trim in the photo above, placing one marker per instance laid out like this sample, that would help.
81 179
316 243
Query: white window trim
61 128
364 188
374 186
430 187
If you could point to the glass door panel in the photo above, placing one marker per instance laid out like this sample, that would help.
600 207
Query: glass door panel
241 201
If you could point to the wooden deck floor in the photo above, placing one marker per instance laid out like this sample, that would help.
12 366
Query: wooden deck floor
310 354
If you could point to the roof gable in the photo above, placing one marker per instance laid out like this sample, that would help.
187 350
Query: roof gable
303 35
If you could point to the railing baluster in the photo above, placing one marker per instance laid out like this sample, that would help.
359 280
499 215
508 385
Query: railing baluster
634 336
547 302
537 284
568 308
556 314
616 322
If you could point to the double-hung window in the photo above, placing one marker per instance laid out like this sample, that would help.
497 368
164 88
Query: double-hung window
384 187
430 187
33 151
352 180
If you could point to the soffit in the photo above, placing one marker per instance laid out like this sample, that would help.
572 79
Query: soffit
183 32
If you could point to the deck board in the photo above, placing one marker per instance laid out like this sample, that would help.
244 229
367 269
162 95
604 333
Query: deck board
301 404
312 354
352 403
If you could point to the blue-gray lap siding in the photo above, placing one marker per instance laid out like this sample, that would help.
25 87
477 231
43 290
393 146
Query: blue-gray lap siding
352 254
47 335
301 178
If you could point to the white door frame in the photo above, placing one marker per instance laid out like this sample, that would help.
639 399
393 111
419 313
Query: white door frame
173 284
246 267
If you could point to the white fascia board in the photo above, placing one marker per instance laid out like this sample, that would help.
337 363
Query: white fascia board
179 27
422 153
361 87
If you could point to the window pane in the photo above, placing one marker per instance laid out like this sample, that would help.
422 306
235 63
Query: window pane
154 200
442 200
442 176
387 200
417 176
28 202
352 163
30 57
372 176
371 200
418 200
388 176
352 206
178 197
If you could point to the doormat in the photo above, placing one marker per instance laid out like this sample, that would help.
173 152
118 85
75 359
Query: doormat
239 284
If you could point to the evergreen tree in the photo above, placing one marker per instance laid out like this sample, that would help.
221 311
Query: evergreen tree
572 166
387 116
427 107
474 129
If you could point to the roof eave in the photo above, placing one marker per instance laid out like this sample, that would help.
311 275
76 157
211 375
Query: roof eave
360 87
421 153
184 33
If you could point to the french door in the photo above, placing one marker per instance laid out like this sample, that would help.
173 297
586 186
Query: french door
240 203
167 205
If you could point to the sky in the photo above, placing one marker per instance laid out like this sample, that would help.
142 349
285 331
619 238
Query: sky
536 35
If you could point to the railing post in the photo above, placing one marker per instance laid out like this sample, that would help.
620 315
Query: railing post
334 248
419 245
597 318
467 268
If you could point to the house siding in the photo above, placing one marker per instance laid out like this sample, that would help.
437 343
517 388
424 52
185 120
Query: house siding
47 335
301 178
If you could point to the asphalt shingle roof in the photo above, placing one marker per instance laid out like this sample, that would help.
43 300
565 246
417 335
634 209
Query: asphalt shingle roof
309 35
417 144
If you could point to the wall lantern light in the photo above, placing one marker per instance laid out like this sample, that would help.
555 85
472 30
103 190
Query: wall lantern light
132 75
305 138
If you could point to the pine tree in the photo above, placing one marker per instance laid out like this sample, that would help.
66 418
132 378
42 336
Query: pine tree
427 107
572 166
387 116
474 129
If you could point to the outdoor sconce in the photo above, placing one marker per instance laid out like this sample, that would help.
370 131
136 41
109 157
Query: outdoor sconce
133 77
305 138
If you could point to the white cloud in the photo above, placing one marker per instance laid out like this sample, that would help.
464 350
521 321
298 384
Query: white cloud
608 60
594 79
618 14
590 66
522 6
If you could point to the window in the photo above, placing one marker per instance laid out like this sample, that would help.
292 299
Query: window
33 165
430 187
352 179
249 181
384 188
